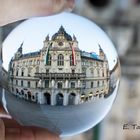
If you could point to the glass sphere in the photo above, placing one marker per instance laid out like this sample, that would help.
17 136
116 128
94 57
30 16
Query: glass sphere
61 73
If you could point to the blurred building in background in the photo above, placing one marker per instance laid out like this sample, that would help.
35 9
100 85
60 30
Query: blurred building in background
120 19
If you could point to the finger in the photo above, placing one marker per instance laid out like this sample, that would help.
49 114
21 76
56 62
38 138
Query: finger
13 10
2 130
26 133
14 131
3 113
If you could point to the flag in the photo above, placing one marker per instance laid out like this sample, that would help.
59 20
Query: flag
73 56
47 55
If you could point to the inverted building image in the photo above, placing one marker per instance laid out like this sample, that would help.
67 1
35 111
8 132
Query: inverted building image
60 73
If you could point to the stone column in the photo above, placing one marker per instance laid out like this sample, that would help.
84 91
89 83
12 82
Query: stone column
53 97
53 83
40 98
77 99
65 99
79 83
66 84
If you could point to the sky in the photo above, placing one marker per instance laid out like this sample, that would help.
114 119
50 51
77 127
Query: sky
33 32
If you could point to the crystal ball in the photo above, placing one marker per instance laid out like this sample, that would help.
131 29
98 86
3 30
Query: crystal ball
61 72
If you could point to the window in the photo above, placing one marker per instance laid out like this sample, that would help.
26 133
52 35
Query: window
17 82
103 73
84 70
21 83
91 85
72 84
92 71
59 85
22 73
30 62
12 81
29 71
29 85
47 71
17 91
12 89
17 73
84 84
46 83
98 83
98 71
49 60
73 71
37 69
60 60
36 84
71 60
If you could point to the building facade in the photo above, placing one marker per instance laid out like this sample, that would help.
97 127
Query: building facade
60 73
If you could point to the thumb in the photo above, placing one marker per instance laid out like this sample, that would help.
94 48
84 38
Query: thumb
14 10
2 130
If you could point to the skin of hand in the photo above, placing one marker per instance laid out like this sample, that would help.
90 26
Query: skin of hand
11 130
14 10
11 11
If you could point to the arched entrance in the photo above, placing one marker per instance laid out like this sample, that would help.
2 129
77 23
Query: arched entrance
59 99
47 98
29 95
72 97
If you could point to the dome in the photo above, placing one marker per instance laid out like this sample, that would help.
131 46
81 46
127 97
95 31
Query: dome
61 32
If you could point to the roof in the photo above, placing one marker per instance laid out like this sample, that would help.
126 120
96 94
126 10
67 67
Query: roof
91 55
62 31
29 55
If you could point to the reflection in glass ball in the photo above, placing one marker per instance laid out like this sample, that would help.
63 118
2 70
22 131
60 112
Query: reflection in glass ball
63 73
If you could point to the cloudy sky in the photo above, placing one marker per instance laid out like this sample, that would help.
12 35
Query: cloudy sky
33 32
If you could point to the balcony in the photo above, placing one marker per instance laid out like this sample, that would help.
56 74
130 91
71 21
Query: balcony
60 75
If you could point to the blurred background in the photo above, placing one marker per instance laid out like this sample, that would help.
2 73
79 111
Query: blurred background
120 19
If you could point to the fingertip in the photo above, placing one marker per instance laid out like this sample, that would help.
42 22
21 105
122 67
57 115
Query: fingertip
2 130
71 4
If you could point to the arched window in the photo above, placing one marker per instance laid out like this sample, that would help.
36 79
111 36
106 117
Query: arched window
84 70
59 85
46 83
37 69
98 83
17 72
92 71
72 84
29 84
17 82
36 84
49 60
60 60
91 85
17 91
22 72
71 60
22 83
29 71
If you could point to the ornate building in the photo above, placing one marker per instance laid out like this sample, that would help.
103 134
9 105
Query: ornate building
60 73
